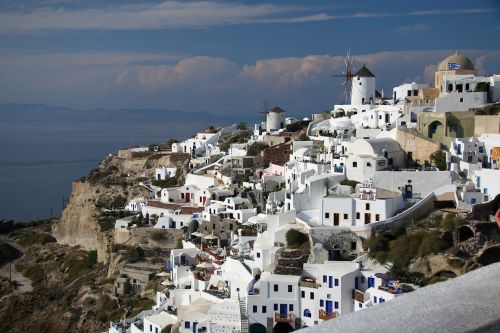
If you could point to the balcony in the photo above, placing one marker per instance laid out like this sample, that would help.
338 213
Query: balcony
283 318
359 296
327 316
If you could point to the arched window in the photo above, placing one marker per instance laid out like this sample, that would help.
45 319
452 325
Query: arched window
307 313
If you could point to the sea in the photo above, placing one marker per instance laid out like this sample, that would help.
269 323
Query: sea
39 159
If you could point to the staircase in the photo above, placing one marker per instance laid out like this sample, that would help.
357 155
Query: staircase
244 316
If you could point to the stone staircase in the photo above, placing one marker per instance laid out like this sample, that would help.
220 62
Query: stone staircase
244 316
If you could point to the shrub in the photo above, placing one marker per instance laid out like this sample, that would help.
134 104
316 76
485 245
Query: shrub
156 235
439 159
256 148
36 274
167 329
295 238
88 301
91 259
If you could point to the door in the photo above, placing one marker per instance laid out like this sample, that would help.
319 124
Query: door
368 217
173 224
194 327
283 310
336 219
408 191
329 307
356 283
188 197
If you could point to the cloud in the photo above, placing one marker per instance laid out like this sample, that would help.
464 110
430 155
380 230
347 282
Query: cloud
411 29
179 14
301 85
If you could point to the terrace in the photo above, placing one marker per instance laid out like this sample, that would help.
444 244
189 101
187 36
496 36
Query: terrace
283 318
327 315
309 282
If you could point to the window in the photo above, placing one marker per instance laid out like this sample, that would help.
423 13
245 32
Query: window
358 215
360 305
321 302
324 278
368 164
275 287
327 215
290 288
275 307
151 328
353 246
367 206
303 294
311 295
328 296
346 216
374 299
187 324
254 309
264 309
408 93
307 313
354 164
362 279
377 217
230 226
258 254
290 307
461 100
336 282
336 305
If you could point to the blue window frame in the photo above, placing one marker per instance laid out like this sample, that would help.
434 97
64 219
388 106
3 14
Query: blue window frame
324 278
307 313
336 282
330 282
254 309
187 324
371 282
336 305
321 302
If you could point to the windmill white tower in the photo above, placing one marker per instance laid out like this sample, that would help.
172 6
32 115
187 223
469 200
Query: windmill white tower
363 87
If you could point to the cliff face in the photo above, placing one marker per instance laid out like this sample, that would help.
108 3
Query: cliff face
86 220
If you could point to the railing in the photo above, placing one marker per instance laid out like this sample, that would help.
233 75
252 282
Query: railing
283 318
326 316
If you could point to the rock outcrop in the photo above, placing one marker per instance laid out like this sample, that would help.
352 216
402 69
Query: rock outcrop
82 222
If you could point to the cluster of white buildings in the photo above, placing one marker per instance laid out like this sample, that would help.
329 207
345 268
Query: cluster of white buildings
363 166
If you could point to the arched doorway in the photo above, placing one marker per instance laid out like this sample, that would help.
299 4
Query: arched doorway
283 328
257 328
436 130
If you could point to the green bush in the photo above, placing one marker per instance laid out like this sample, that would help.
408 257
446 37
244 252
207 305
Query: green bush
295 239
156 235
91 259
36 274
439 159
256 148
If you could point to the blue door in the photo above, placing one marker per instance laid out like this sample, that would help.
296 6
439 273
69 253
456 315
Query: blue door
356 283
329 307
283 310
330 282
173 224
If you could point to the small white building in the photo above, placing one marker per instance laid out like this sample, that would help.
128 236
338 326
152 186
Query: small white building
163 173
136 205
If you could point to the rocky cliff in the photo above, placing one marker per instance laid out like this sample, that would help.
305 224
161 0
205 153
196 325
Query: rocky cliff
88 218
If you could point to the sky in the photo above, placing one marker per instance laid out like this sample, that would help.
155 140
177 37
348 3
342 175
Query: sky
226 57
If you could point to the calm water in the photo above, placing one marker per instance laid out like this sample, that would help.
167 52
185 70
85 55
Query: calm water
39 160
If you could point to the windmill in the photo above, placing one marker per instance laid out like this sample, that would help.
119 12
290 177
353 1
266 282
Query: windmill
347 74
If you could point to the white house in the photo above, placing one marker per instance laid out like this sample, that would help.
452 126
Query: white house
136 204
163 173
367 206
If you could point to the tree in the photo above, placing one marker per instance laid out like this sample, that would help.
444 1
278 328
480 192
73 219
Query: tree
439 159
256 148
